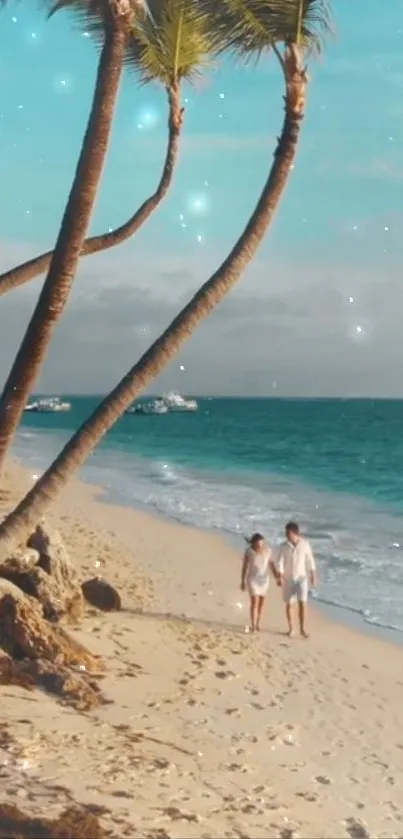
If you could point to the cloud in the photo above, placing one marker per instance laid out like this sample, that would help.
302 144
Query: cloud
285 323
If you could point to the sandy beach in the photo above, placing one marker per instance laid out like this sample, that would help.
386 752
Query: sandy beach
209 732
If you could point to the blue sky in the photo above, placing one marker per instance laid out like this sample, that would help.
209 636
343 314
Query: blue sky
343 209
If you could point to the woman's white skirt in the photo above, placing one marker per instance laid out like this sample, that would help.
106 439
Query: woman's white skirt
257 588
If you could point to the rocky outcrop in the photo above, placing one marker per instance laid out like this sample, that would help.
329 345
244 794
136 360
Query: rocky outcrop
102 595
35 652
7 587
21 561
7 645
21 619
55 577
38 586
44 571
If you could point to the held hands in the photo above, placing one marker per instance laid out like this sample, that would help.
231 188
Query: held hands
243 586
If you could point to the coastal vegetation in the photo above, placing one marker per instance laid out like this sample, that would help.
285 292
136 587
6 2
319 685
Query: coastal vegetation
170 43
165 42
117 19
38 583
288 29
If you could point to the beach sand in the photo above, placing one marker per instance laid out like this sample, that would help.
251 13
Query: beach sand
210 732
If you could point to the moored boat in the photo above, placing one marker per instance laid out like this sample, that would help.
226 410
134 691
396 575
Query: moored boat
48 405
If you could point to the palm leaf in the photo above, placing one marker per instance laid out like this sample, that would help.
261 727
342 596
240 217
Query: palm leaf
170 40
174 41
93 15
249 27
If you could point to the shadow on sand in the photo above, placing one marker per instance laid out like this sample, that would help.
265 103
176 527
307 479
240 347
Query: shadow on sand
201 622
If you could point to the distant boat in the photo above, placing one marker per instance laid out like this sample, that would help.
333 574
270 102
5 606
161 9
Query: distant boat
169 403
156 406
48 405
177 403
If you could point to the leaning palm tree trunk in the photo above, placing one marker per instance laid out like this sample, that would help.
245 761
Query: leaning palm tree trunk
27 271
73 228
21 521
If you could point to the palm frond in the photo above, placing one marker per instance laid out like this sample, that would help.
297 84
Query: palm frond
174 41
250 27
93 15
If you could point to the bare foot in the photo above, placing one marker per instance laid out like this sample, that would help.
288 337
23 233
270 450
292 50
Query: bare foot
290 633
304 634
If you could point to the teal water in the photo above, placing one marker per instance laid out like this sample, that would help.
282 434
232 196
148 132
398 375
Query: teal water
245 464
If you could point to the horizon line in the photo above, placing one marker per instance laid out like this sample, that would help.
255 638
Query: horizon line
288 397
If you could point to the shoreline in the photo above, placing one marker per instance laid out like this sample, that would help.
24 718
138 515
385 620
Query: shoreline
208 731
323 613
353 614
341 615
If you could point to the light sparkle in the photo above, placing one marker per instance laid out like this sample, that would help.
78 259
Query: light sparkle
198 204
147 119
63 83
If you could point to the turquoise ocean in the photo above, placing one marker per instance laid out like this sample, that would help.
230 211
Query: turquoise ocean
241 465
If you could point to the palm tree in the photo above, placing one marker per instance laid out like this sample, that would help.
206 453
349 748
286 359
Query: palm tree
170 44
279 24
115 19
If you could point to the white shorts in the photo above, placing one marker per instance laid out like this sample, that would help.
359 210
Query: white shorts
296 591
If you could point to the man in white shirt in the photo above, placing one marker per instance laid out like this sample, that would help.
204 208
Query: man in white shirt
296 572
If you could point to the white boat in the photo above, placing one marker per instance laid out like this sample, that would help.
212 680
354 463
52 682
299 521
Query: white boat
169 403
177 403
157 406
48 405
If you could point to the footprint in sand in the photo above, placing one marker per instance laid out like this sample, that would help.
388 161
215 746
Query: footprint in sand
251 809
323 779
307 796
356 829
176 814
225 674
237 767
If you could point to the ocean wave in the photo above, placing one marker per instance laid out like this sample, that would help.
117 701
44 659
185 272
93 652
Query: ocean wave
357 545
364 614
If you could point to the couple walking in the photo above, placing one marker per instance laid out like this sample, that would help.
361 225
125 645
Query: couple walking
293 567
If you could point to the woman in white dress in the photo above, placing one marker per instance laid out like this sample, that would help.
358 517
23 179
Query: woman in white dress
255 576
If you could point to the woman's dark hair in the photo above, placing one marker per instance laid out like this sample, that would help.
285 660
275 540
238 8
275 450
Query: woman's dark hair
257 537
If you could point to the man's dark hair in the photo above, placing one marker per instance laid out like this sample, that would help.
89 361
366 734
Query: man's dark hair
292 527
